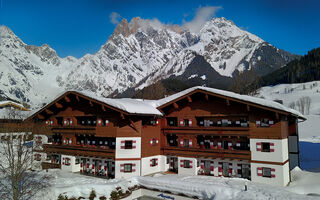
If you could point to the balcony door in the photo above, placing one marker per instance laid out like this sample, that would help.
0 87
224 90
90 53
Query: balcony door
245 171
225 169
207 167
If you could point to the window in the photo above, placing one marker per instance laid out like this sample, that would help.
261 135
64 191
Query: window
265 147
186 143
264 122
128 144
77 161
127 167
154 142
172 121
266 172
186 122
186 164
153 162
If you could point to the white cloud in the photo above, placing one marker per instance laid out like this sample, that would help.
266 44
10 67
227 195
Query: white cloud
115 18
203 14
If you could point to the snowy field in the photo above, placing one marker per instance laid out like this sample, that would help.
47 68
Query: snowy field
305 185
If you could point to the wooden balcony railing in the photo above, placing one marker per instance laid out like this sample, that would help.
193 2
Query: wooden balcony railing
213 153
79 151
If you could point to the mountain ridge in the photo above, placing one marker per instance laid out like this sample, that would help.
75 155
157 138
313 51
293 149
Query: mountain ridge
136 55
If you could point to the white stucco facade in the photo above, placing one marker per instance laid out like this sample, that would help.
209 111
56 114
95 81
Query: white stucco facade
135 152
119 168
68 163
280 175
280 153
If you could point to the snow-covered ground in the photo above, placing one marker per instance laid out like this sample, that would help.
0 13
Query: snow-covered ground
305 185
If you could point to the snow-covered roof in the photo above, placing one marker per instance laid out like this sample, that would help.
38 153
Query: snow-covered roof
250 99
150 107
132 106
12 103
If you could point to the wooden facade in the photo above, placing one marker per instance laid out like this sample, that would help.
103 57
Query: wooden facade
199 124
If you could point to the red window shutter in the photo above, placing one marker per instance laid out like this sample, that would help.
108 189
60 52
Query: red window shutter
151 142
156 161
273 173
181 122
151 163
220 169
190 143
99 122
190 122
230 169
239 169
181 163
181 142
133 167
106 122
202 164
259 148
122 144
212 166
259 171
271 147
157 122
190 164
219 145
229 145
121 167
211 145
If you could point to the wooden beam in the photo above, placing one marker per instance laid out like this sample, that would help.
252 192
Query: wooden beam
40 116
48 111
58 105
228 102
248 107
175 105
67 99
133 125
91 104
207 97
77 97
189 99
103 108
277 116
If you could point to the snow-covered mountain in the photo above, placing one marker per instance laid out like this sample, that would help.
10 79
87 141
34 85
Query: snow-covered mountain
135 55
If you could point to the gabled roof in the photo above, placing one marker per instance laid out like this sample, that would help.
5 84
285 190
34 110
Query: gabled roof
233 96
124 105
153 107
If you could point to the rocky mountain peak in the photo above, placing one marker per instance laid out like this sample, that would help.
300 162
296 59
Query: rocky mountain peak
122 28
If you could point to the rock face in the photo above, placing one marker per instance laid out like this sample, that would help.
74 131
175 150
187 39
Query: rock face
137 54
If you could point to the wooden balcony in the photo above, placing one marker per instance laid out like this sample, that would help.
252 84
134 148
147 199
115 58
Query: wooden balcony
233 131
80 151
74 129
207 153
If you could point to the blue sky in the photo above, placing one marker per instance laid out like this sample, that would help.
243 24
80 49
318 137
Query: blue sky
81 26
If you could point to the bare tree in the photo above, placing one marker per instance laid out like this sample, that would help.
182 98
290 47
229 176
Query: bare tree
292 105
308 104
304 104
17 181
